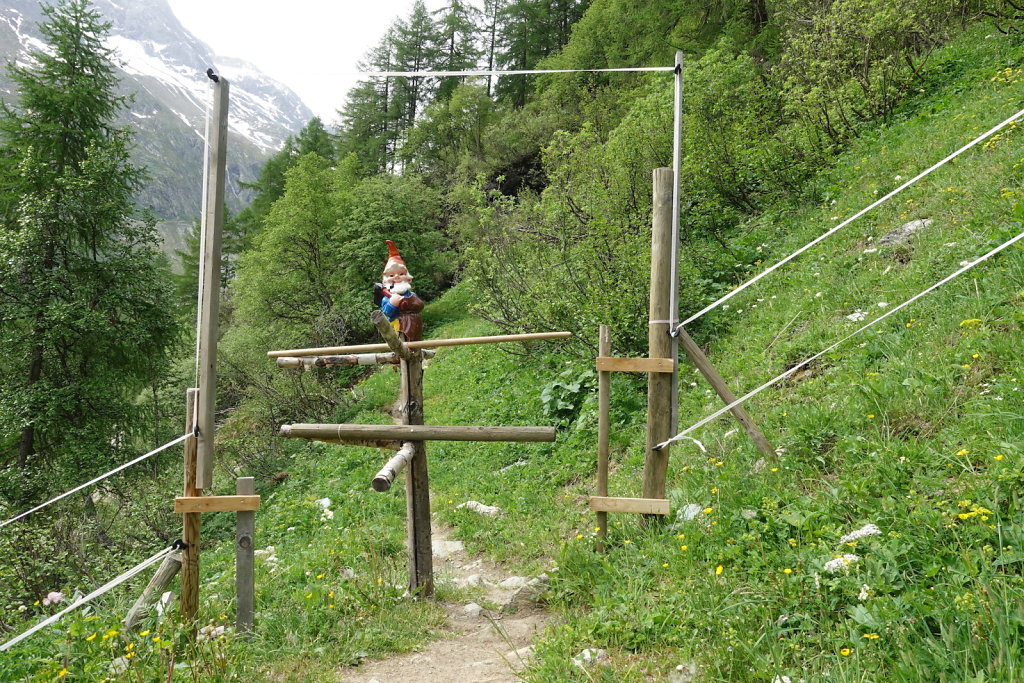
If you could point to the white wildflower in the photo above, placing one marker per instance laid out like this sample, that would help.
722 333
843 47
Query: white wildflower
323 502
841 562
782 679
817 295
865 591
899 177
882 304
863 532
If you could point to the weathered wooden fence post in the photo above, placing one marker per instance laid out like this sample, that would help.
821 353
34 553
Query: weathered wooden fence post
213 222
604 349
245 578
190 521
662 345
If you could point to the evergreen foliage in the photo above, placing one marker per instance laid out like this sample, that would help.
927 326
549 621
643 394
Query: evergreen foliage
84 311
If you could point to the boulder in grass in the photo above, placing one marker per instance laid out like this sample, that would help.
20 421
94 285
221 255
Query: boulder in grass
903 233
475 506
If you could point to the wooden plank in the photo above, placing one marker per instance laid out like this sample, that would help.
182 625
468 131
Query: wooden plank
342 433
659 385
191 523
417 483
157 585
245 570
604 348
608 364
382 482
213 228
697 357
424 344
640 506
216 503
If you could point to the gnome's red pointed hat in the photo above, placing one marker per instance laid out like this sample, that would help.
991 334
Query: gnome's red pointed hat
395 264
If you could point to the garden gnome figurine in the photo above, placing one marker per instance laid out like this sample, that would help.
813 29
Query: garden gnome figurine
396 299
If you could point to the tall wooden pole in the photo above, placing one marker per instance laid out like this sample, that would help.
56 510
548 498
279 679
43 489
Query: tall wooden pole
190 522
604 348
245 577
659 387
209 304
417 483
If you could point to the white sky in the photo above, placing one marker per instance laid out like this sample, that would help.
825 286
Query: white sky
312 46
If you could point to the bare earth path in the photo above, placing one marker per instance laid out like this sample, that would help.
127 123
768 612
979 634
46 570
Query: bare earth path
485 647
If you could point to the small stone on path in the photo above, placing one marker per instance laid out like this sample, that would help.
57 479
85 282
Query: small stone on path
475 506
443 549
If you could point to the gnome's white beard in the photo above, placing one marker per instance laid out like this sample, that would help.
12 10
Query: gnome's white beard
400 287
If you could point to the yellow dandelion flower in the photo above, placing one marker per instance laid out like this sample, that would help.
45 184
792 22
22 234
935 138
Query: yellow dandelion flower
714 489
579 537
871 416
719 569
331 594
966 366
664 564
309 595
775 469
681 536
319 576
787 570
380 580
998 457
845 652
91 638
627 541
708 511
144 633
330 606
962 451
62 673
976 355
683 547
871 636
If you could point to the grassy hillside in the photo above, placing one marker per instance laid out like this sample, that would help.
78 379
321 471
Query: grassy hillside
914 427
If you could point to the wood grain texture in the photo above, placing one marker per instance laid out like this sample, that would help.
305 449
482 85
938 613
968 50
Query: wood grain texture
424 344
191 523
640 506
189 504
609 364
342 433
245 565
604 348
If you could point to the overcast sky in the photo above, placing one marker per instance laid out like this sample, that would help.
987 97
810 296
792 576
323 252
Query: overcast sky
309 45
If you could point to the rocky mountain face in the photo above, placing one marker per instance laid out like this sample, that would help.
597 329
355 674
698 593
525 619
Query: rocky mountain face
164 68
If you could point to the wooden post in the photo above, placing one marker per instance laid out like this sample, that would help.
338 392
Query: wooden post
659 387
168 568
382 482
697 357
604 348
190 522
209 304
417 483
245 578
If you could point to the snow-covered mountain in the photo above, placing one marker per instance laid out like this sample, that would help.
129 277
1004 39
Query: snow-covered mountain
164 67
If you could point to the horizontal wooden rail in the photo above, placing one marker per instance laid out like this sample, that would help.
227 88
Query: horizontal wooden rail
216 503
343 433
425 344
640 506
382 482
609 364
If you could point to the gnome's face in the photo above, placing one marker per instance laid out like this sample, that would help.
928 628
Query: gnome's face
394 278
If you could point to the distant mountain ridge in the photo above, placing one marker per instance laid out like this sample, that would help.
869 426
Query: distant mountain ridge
164 66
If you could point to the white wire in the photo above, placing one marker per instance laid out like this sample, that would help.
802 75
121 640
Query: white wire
787 373
81 601
517 72
99 478
726 297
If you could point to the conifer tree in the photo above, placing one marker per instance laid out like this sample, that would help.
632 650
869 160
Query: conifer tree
84 311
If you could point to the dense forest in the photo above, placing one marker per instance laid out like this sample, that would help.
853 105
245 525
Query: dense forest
527 195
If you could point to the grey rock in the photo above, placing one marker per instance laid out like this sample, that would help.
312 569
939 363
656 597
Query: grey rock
590 657
443 549
513 583
903 233
473 610
531 592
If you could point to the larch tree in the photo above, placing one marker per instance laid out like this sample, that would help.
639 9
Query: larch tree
84 309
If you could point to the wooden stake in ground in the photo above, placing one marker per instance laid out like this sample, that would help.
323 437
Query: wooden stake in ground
604 349
659 387
190 521
167 571
213 224
245 577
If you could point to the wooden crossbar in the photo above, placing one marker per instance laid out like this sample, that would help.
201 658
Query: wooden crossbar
640 506
216 503
425 344
609 364
342 433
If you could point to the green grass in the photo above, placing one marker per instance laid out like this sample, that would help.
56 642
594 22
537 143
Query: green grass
915 426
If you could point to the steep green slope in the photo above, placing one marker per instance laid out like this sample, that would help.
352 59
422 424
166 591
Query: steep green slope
914 427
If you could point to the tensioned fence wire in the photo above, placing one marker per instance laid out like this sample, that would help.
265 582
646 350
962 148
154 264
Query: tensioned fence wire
97 479
721 300
495 73
684 434
113 583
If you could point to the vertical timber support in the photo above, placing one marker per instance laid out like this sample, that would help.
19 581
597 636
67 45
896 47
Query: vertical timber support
604 348
662 345
190 521
417 480
245 577
417 483
209 292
